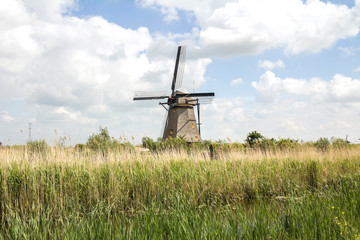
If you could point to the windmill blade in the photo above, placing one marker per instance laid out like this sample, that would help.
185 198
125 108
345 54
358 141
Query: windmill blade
181 68
208 94
149 95
149 98
175 70
203 100
206 100
199 123
165 123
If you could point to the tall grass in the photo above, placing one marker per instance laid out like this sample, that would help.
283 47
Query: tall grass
173 194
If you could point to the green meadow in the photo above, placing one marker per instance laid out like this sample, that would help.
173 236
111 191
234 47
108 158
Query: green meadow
230 192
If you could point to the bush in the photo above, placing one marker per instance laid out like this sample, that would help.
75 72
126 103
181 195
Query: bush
37 146
121 146
238 146
322 144
150 144
16 147
267 144
286 143
338 142
254 138
178 143
80 147
101 142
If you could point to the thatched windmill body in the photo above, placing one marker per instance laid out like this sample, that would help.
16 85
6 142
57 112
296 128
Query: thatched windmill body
180 120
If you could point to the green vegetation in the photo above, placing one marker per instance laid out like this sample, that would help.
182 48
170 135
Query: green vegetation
254 138
37 146
167 144
275 189
322 144
103 143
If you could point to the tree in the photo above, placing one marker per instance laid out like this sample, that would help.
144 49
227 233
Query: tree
101 142
253 138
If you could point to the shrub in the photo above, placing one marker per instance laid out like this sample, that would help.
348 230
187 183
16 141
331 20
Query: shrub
254 138
149 143
37 146
178 143
102 142
322 144
286 143
267 144
16 147
338 142
238 146
80 147
121 146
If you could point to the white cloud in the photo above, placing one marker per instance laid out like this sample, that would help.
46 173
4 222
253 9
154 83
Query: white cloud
298 26
81 70
194 73
347 51
50 10
17 46
170 14
289 118
339 89
80 63
202 9
268 87
231 28
236 82
5 117
63 111
357 69
291 125
223 117
269 65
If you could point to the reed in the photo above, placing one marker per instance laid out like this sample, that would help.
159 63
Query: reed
297 193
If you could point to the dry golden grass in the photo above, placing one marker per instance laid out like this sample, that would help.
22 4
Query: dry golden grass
61 188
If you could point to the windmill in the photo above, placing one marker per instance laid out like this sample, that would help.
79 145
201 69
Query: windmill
180 120
346 139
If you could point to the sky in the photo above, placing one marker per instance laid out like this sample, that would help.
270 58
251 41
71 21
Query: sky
285 68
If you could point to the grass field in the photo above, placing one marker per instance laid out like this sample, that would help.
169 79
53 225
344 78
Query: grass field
63 193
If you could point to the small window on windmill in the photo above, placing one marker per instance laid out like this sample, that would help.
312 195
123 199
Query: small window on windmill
171 132
192 125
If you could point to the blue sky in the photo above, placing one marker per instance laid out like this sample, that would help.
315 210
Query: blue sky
286 68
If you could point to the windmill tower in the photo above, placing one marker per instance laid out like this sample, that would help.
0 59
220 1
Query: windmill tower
181 120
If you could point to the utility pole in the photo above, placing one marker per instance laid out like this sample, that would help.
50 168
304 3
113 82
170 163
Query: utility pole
29 132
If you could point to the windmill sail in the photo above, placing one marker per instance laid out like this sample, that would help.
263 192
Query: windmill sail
150 95
181 68
208 94
180 60
165 123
